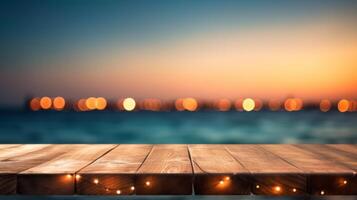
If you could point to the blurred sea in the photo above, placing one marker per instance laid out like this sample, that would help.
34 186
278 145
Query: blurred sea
178 127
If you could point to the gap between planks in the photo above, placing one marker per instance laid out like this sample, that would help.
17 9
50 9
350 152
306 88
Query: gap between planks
184 169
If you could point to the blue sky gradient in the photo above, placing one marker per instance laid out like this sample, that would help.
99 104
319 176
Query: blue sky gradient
37 36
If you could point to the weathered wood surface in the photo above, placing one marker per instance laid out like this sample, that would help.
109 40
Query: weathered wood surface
114 172
14 159
167 170
217 171
270 174
326 176
144 169
57 176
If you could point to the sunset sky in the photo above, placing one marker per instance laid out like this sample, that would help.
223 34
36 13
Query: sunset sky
167 49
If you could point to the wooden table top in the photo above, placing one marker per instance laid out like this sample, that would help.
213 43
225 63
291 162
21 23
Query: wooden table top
178 169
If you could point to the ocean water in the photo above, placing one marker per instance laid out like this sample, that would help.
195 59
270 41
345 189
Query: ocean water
178 127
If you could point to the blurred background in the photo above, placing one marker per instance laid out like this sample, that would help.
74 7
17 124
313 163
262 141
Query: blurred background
203 71
117 71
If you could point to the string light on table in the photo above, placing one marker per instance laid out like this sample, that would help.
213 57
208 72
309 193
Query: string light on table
277 188
223 181
98 183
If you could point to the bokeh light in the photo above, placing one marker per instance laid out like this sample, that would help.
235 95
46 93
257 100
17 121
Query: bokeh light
248 104
293 104
290 105
190 104
46 103
82 105
343 105
91 103
101 103
35 104
325 105
129 104
179 104
59 103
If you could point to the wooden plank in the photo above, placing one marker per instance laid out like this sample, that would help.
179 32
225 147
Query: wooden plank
323 174
166 171
10 164
172 169
270 174
21 157
349 148
217 172
345 185
7 146
334 154
56 177
114 173
11 152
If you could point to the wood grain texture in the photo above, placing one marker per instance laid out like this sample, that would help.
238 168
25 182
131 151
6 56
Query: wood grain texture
217 172
336 155
16 158
175 169
344 158
349 148
169 171
8 146
323 174
11 152
114 171
56 177
270 175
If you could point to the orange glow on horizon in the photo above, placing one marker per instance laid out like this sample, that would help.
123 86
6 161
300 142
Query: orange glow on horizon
274 105
313 59
223 105
151 104
258 104
238 104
